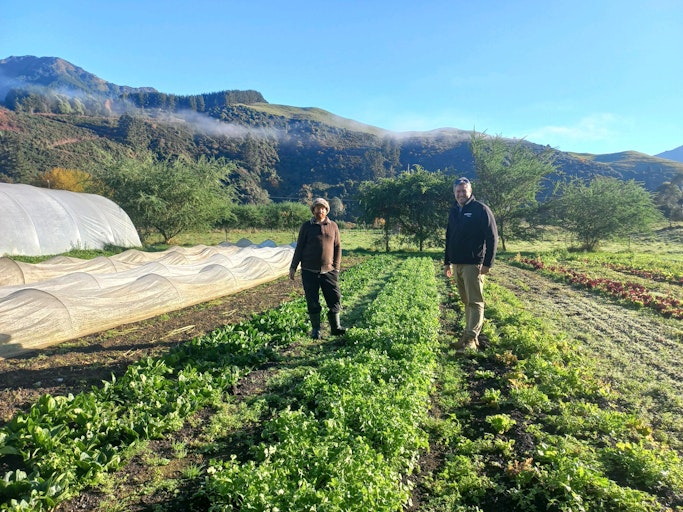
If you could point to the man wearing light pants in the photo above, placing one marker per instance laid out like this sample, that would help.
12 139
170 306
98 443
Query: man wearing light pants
471 243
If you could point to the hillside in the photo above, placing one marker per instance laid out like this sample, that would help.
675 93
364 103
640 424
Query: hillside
51 73
652 171
283 152
675 154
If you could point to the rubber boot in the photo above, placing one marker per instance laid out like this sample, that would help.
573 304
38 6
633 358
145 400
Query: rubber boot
335 328
315 324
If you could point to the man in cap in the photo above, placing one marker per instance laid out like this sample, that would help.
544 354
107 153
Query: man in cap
471 243
318 250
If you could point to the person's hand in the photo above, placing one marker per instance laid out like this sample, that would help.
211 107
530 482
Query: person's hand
484 269
291 274
448 271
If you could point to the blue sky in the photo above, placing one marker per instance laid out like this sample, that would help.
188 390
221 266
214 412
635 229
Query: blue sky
593 76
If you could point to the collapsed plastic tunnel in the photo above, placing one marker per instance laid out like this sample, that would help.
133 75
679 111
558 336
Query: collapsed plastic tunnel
65 298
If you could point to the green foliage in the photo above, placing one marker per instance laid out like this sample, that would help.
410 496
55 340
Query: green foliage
579 451
357 420
662 298
170 196
378 202
460 483
669 198
413 203
424 199
66 443
39 100
357 430
35 144
606 208
279 151
196 102
500 423
509 178
285 216
643 465
646 169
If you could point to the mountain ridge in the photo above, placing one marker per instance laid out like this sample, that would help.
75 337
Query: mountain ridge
55 73
281 150
675 154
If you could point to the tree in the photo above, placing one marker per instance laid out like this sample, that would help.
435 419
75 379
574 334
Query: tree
170 196
415 202
670 199
337 208
228 221
287 215
260 156
134 131
607 208
374 161
377 200
63 105
77 106
65 179
245 216
509 177
424 199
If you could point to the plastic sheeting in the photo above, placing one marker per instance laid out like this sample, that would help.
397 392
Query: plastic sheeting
40 221
64 298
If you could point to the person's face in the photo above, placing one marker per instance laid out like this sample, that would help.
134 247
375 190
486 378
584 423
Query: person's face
319 212
462 193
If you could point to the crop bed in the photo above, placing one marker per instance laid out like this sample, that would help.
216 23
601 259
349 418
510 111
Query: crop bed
574 404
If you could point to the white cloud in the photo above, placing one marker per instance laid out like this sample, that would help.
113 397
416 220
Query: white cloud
598 129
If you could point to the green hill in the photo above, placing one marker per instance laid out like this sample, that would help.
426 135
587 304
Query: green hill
282 152
652 171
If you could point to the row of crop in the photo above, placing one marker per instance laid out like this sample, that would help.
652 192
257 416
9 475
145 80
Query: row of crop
354 434
65 443
655 268
646 273
632 293
541 433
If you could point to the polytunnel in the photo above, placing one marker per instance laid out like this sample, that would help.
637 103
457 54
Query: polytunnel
38 221
63 298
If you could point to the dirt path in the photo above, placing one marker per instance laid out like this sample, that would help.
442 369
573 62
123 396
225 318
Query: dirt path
637 352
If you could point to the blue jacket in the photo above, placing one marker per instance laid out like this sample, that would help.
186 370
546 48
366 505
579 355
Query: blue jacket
471 235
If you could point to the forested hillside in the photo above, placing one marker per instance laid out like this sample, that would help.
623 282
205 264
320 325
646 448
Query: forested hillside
58 115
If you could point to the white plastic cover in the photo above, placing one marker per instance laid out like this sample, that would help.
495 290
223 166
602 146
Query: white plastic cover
41 221
64 298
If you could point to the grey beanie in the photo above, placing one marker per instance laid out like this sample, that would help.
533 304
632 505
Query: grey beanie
320 200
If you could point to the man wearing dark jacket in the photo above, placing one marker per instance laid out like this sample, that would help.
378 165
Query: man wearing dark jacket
471 243
318 249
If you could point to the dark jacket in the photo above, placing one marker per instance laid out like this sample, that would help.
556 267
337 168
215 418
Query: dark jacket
318 247
471 235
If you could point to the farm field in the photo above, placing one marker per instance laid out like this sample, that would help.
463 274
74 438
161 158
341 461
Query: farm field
635 352
575 403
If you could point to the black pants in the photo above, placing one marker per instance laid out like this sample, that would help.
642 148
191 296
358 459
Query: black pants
329 283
